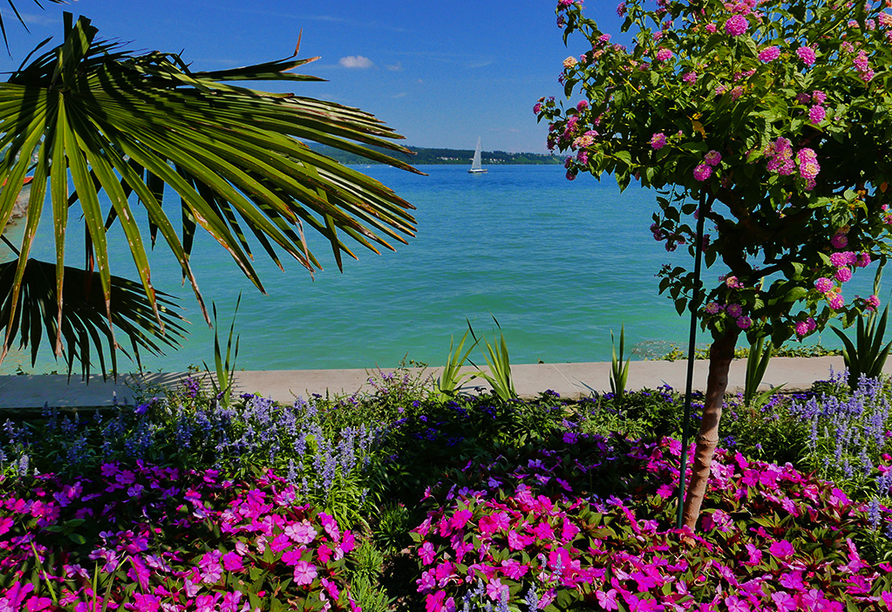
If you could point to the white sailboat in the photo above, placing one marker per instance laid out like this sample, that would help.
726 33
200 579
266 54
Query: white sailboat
476 163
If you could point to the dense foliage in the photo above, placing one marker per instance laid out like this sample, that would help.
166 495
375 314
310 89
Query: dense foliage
405 500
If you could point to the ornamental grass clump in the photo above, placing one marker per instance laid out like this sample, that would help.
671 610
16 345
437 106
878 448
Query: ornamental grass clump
519 530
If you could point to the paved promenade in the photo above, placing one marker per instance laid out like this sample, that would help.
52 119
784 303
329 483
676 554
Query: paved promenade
568 379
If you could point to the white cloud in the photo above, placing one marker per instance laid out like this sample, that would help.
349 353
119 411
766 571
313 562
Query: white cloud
355 61
402 94
397 67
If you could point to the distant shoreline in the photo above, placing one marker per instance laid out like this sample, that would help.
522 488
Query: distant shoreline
446 157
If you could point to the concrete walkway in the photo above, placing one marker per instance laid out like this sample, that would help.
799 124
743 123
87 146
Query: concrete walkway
570 380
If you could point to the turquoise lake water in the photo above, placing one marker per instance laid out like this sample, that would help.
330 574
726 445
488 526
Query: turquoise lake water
560 264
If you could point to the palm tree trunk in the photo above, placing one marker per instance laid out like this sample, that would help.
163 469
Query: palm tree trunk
720 355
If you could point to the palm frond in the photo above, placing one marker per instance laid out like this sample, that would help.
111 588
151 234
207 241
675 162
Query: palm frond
84 325
87 118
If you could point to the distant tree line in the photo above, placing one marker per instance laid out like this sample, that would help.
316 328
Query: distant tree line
423 156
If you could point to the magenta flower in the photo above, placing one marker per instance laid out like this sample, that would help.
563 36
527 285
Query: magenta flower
713 308
769 54
863 260
818 97
232 562
843 275
816 114
713 158
702 172
664 55
843 258
658 141
836 301
304 573
496 591
873 302
824 285
736 25
839 240
734 310
744 322
807 55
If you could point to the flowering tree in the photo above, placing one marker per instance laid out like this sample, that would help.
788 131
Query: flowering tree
776 115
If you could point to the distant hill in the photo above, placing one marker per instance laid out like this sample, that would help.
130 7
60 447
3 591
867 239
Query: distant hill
462 157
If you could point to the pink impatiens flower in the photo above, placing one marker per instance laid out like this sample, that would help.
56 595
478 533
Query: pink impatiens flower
304 573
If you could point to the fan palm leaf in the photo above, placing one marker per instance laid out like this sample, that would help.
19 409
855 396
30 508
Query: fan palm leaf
87 117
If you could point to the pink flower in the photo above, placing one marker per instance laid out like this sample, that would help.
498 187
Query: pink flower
736 604
807 55
818 97
744 322
824 285
304 573
784 601
839 240
863 260
608 599
843 275
843 258
689 77
801 330
836 301
816 114
873 302
736 25
713 158
232 562
734 310
808 163
702 172
658 140
427 552
713 308
496 591
769 54
664 55
710 27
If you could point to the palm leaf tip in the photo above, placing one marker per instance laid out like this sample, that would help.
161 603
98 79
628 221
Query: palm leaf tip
85 326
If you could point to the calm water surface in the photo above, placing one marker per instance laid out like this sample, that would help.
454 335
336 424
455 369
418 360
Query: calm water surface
559 264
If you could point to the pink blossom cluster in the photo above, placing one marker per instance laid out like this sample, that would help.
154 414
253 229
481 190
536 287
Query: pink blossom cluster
704 170
261 522
658 141
808 166
769 54
780 156
664 54
807 55
523 526
862 64
736 25
805 327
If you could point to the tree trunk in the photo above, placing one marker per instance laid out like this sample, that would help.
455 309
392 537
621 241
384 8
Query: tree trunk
720 355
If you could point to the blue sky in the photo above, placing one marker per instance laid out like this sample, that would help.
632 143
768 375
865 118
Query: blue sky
440 72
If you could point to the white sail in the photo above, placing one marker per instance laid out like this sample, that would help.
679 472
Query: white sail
477 162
